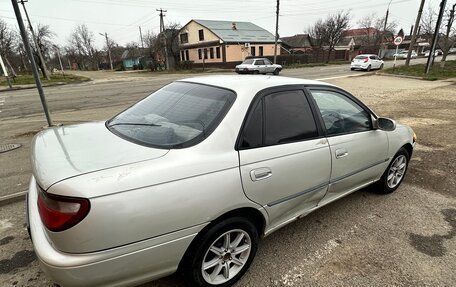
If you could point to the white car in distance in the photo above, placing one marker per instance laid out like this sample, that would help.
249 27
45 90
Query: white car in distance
366 62
403 55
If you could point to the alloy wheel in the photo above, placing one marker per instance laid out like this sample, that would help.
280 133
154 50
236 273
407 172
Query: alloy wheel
226 257
396 171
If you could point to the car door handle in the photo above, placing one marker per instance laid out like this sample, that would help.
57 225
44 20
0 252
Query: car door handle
260 173
340 153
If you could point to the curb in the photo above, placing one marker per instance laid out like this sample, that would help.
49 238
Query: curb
10 198
399 76
19 88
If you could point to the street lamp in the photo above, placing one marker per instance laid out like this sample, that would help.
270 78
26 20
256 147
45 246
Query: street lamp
107 46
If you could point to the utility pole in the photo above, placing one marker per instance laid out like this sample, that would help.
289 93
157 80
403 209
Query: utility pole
162 32
60 60
447 36
384 26
35 39
107 47
28 49
5 72
276 32
142 41
415 33
435 37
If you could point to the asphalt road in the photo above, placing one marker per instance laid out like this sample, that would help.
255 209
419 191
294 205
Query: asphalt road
114 89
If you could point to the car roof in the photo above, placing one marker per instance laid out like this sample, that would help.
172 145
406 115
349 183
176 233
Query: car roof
250 83
366 55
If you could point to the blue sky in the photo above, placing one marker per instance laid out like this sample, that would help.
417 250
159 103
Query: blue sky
121 18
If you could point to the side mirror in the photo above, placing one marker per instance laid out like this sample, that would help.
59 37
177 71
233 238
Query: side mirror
386 124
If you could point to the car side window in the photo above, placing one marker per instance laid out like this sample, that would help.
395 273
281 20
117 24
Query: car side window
281 117
259 62
341 114
288 118
252 135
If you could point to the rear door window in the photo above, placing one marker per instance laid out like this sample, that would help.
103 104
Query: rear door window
278 118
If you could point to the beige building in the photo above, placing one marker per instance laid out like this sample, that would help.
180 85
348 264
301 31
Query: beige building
223 43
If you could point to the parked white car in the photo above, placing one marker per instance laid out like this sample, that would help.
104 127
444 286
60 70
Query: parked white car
258 66
366 62
437 52
403 55
194 175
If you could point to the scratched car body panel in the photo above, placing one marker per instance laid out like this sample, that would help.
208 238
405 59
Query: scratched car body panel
193 175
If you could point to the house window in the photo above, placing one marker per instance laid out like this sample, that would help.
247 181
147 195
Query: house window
182 56
183 38
217 52
200 54
252 51
187 56
211 53
260 51
205 53
201 35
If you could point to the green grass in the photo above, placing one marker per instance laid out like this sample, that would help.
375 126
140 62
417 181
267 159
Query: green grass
28 79
310 65
436 73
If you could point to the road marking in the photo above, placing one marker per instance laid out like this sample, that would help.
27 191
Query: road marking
340 77
295 275
5 224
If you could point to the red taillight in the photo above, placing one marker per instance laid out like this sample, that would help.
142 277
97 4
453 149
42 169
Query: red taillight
366 60
59 213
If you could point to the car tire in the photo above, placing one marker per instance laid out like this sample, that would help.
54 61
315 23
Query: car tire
368 68
352 69
256 72
215 248
381 67
394 173
276 71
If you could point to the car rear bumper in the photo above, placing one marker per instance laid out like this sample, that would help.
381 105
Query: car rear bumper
359 66
127 265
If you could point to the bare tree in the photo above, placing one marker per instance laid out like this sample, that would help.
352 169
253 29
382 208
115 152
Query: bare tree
428 21
44 37
81 47
373 30
7 39
334 26
317 33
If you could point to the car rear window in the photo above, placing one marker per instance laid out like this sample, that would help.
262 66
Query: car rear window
360 57
248 62
178 115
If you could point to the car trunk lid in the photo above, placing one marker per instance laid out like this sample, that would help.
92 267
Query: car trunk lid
68 151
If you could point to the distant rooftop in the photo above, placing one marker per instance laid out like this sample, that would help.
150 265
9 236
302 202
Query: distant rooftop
297 41
233 31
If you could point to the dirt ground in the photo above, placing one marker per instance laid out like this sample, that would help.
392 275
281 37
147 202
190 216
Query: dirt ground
430 109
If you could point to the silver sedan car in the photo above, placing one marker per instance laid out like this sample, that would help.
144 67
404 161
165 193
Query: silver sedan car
258 66
191 177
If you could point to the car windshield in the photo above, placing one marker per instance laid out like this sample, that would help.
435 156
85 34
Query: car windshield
178 115
360 57
248 62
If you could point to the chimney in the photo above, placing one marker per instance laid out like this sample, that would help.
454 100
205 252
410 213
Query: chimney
234 25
